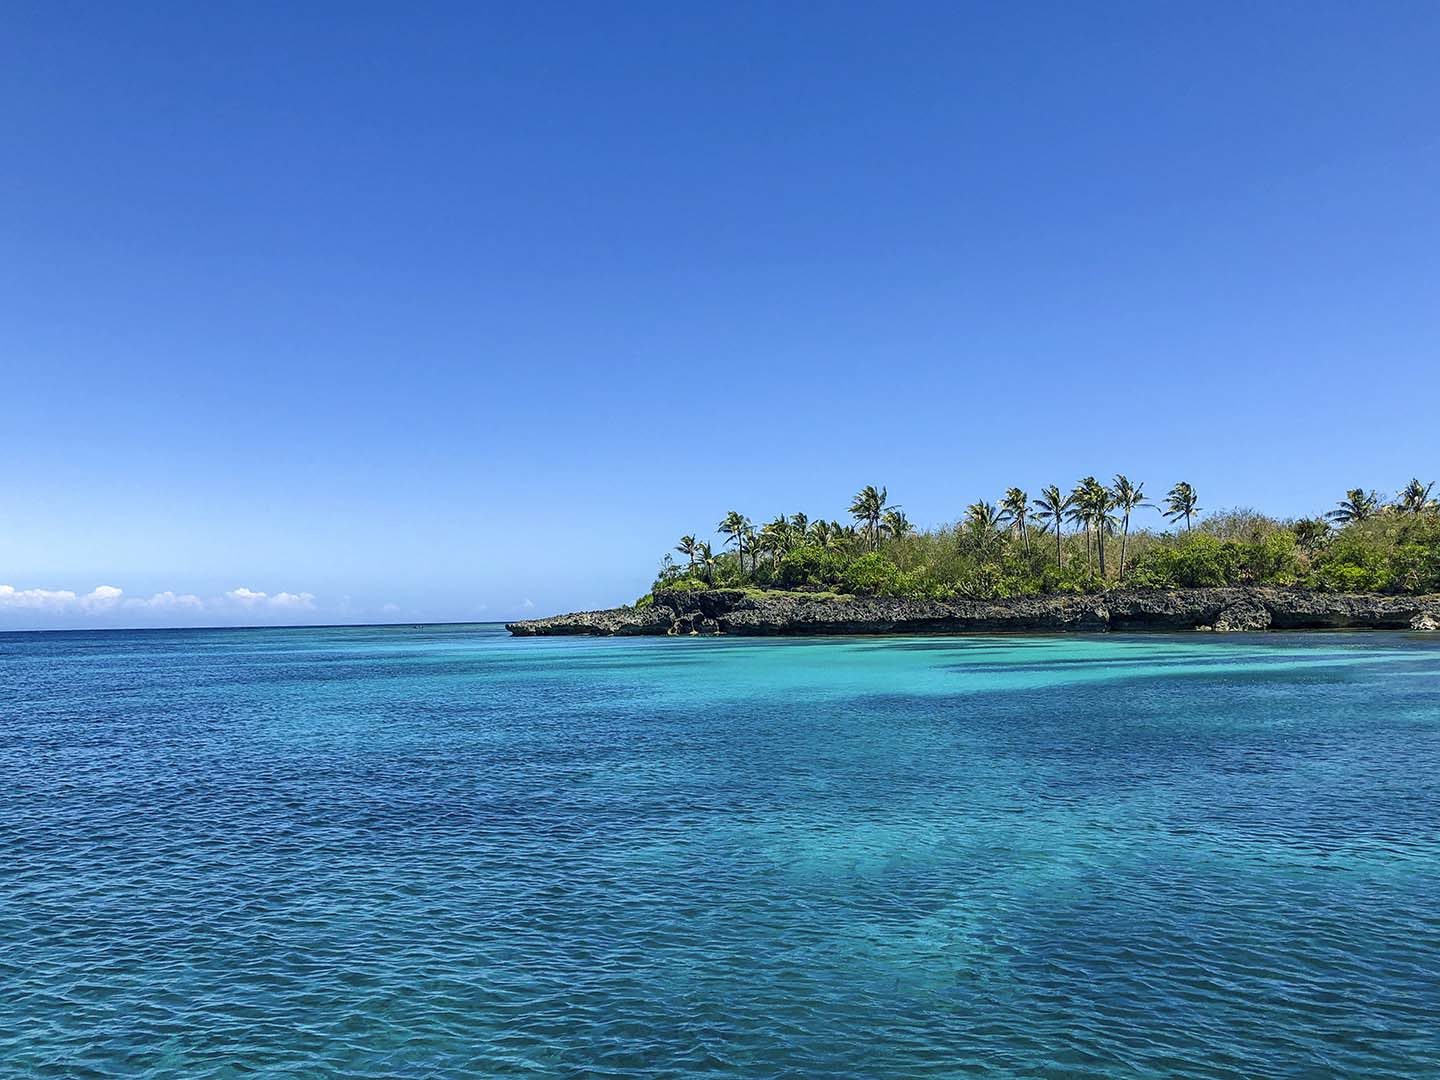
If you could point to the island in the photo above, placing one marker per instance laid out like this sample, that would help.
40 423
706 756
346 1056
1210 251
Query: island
1060 562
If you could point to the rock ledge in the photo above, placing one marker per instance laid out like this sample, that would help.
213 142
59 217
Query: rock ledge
732 611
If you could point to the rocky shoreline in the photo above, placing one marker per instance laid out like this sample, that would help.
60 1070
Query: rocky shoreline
734 611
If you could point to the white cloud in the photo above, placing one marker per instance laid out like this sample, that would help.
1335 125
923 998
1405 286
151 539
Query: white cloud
102 597
36 599
390 609
99 599
109 600
252 598
169 601
293 600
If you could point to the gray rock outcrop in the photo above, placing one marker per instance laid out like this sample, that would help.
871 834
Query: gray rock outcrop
733 611
1247 615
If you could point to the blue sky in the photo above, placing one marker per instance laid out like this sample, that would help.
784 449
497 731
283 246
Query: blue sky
457 311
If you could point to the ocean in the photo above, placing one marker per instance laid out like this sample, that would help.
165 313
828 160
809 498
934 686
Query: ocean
444 852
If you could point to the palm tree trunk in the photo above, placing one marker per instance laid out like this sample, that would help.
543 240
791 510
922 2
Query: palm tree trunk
1100 544
1058 562
1124 543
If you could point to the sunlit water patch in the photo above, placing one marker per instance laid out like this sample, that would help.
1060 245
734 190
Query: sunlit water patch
390 852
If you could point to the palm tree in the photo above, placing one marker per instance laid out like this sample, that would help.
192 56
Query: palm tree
1102 502
1181 503
1311 534
1015 508
1052 506
831 535
868 508
983 516
735 527
688 547
984 521
1082 512
1415 497
775 538
762 544
1358 505
800 523
896 525
706 557
1128 498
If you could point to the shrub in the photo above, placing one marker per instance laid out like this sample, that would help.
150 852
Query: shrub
1198 561
1075 578
1349 577
1241 524
686 584
872 575
1275 560
1415 568
1356 561
810 565
1203 561
1153 571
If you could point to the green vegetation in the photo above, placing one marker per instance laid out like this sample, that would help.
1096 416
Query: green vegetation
1366 544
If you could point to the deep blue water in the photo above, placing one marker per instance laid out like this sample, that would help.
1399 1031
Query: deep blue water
389 852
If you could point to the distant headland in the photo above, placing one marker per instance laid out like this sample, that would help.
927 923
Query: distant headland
1062 561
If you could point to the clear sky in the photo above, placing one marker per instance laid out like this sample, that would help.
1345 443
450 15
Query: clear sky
456 311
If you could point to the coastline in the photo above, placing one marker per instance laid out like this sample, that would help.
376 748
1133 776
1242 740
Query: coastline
777 614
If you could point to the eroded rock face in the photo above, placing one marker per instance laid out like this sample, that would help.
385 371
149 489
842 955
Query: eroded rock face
645 621
694 623
1247 615
731 611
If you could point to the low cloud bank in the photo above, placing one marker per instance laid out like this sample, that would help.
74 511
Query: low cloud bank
249 598
108 606
110 601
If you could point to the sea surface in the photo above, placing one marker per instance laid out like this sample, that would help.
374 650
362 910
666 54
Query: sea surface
443 852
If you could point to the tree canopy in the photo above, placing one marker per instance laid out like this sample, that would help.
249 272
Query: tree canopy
1365 543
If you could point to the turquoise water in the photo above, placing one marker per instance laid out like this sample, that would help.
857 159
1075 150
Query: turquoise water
387 852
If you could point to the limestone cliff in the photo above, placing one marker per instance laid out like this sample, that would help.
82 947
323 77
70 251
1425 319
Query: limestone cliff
732 611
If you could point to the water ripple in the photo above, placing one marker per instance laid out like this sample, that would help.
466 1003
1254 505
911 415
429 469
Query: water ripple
383 853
